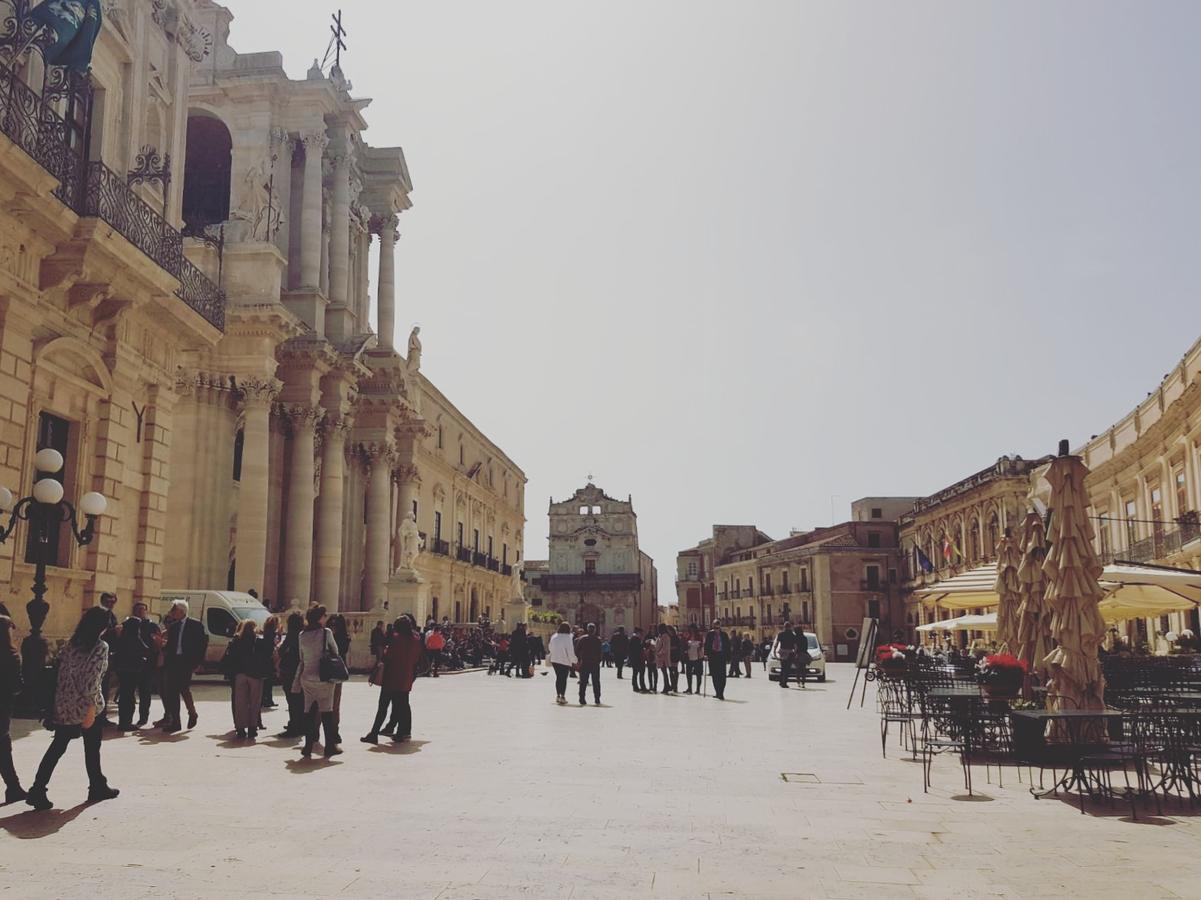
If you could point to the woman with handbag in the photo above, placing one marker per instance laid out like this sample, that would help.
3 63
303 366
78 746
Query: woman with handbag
243 665
399 670
319 669
81 667
10 684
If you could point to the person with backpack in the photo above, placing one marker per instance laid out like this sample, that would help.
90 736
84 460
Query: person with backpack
435 643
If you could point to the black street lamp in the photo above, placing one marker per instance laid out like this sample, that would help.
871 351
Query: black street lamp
44 509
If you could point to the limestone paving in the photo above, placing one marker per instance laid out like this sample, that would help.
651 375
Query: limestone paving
502 794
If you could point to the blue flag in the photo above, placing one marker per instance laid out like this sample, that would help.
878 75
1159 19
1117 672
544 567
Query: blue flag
76 25
924 561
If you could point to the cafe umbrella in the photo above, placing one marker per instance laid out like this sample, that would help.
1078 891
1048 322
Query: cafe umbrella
1033 616
1008 590
1073 593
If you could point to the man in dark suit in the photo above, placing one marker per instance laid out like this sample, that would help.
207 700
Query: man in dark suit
588 651
637 665
717 651
619 646
183 652
150 632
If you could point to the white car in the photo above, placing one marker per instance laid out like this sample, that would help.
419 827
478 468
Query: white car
817 660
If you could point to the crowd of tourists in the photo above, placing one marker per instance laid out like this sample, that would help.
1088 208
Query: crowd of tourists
306 655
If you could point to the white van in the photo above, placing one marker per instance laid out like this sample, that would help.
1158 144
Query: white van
221 612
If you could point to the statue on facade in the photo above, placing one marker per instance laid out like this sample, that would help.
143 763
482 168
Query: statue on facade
410 543
413 360
255 200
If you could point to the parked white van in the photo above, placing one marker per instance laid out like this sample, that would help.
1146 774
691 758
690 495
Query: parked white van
221 612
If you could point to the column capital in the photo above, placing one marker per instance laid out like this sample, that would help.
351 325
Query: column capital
303 417
314 141
378 454
406 473
385 226
332 423
256 391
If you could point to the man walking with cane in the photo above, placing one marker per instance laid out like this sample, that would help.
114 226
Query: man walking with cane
717 651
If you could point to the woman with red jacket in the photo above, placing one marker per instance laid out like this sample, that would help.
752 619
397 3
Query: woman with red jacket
400 669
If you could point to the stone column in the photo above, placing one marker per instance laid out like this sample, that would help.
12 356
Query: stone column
1190 472
257 396
380 458
329 512
1167 489
408 487
339 233
310 226
298 553
386 309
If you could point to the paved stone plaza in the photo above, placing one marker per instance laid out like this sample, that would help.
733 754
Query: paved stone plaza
504 794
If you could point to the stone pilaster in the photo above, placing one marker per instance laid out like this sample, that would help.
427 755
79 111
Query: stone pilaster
329 511
251 554
157 419
339 237
379 459
311 226
298 553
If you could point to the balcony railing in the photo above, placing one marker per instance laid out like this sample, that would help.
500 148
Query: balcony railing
442 548
591 582
506 569
868 584
463 554
91 188
478 559
493 564
724 595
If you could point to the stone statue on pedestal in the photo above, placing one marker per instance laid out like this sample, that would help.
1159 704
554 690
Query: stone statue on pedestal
410 541
413 360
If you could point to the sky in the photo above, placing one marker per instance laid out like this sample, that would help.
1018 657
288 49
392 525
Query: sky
750 260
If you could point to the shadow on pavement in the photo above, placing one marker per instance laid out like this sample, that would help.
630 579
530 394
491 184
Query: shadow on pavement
403 748
305 766
156 736
33 824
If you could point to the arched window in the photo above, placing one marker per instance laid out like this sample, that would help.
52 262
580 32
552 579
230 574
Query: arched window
974 540
993 535
208 166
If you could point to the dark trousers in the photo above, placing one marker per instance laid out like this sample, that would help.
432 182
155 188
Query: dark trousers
177 684
561 672
295 712
694 667
638 676
401 721
8 771
666 679
314 721
63 735
734 668
620 663
127 696
652 676
674 671
145 692
785 669
268 700
717 671
593 672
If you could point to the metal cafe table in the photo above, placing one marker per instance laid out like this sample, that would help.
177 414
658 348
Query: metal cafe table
1074 777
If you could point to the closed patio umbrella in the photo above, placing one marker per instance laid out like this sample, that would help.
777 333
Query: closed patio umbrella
1033 617
1008 589
1073 593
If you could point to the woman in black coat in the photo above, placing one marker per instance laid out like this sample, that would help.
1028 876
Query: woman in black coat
10 685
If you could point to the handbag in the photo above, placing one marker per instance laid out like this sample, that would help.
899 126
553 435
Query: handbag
332 667
377 675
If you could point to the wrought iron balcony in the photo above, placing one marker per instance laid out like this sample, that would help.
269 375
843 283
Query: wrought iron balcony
58 144
506 569
493 564
479 559
442 548
868 584
591 582
463 553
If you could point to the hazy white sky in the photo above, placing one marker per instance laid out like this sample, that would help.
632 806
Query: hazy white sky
750 260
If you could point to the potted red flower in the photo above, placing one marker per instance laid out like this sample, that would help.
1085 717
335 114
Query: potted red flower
1002 674
891 659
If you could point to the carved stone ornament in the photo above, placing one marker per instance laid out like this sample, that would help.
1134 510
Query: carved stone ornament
304 417
406 473
258 390
314 141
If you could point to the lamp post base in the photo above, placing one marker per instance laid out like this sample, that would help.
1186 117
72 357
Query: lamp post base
34 698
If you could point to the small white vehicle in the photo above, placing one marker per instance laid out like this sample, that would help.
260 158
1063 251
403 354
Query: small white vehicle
220 612
817 661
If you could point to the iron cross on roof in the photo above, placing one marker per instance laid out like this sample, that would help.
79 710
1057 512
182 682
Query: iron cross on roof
338 32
